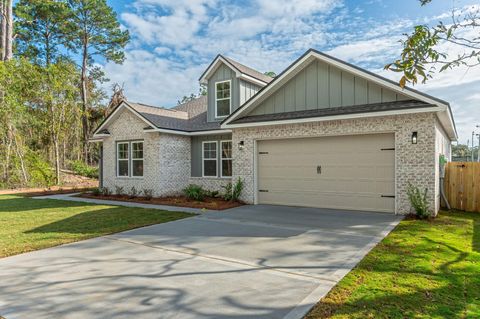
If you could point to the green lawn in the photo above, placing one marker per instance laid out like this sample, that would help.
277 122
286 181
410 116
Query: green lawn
423 269
28 224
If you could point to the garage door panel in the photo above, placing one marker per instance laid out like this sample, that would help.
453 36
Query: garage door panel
353 172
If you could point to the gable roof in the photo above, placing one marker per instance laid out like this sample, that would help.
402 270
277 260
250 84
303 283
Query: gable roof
241 70
159 119
193 107
312 54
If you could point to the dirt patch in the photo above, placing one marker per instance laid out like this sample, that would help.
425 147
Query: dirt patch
212 203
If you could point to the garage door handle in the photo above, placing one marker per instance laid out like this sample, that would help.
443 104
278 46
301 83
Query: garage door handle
319 169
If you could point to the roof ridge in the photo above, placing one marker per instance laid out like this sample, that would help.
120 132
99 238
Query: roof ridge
260 75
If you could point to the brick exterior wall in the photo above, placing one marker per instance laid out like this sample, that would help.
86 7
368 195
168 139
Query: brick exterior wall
211 184
166 158
415 163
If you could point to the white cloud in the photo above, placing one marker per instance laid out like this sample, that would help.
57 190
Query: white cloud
173 41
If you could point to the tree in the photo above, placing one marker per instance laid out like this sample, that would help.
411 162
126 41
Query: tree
18 83
202 91
270 74
6 30
41 30
95 32
422 53
59 97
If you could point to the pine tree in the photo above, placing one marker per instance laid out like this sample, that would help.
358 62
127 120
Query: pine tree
95 31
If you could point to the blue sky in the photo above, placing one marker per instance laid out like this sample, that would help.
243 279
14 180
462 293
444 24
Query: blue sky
173 41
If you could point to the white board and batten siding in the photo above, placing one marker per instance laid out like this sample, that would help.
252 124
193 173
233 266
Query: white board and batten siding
320 85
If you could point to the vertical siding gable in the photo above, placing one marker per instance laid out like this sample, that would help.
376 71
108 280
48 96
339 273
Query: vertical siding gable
222 73
311 86
320 85
299 91
335 86
323 86
247 90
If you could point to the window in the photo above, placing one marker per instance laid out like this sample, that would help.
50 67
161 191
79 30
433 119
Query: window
137 159
222 98
226 157
130 159
209 159
122 159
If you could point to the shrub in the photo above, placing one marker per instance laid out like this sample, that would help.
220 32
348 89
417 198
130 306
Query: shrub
96 191
228 191
233 191
119 190
40 171
106 191
194 192
211 193
419 201
148 193
80 168
237 189
133 192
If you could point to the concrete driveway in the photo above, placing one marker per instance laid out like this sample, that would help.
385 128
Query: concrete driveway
248 262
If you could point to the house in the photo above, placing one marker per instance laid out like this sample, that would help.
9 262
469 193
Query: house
323 133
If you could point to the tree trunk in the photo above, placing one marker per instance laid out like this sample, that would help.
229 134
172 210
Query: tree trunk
9 31
84 100
20 154
8 155
3 29
57 159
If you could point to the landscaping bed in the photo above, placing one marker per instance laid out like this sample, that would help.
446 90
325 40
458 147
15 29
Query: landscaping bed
212 203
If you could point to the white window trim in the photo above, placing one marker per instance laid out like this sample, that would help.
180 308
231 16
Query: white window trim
226 158
136 159
210 159
127 159
216 99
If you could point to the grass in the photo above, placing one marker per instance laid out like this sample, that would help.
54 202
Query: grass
28 224
423 269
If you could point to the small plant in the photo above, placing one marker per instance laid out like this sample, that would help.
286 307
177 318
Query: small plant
228 191
133 192
106 191
233 191
148 194
211 193
237 189
194 192
119 190
419 201
96 191
80 168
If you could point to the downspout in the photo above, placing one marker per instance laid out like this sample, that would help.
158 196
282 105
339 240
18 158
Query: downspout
442 162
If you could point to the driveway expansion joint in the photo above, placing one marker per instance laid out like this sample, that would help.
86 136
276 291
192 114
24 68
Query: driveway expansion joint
231 261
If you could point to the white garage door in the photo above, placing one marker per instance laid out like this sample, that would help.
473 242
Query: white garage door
345 172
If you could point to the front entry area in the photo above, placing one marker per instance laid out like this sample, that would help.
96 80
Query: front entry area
355 172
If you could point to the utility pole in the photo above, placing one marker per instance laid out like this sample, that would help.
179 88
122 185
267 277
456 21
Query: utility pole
473 139
478 150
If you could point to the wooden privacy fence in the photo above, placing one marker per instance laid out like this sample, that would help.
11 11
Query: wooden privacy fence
462 185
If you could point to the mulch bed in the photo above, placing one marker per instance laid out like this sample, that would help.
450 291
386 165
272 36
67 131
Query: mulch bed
212 203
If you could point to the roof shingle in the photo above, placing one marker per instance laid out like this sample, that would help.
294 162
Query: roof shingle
344 110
